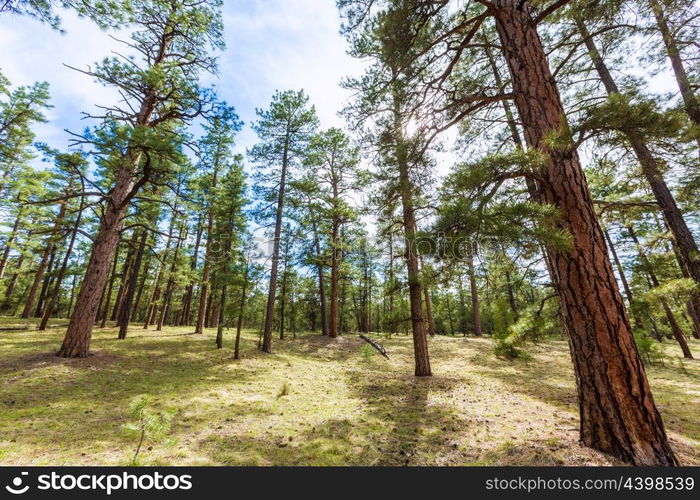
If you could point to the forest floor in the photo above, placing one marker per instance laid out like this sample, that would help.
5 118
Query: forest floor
314 401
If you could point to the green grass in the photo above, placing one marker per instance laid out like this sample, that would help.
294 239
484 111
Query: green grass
314 401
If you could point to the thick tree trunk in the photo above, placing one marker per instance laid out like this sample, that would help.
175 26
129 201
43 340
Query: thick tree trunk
76 343
272 291
618 414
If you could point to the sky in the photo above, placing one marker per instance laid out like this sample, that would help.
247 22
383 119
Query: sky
271 45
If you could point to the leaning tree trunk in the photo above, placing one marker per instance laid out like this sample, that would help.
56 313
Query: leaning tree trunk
617 410
474 291
692 106
673 323
76 343
53 299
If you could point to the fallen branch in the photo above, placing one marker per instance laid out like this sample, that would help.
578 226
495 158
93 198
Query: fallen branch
376 345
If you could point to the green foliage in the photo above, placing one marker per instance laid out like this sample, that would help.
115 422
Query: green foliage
149 425
649 349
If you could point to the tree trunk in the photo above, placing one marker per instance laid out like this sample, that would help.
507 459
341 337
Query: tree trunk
618 414
420 341
650 168
241 309
692 106
429 312
170 286
47 281
77 339
474 291
48 311
186 317
272 291
110 287
204 290
623 279
675 327
8 245
125 311
44 261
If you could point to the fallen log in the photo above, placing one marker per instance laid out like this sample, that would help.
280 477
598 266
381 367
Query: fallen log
376 345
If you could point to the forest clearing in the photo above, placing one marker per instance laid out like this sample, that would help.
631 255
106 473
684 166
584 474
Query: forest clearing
322 403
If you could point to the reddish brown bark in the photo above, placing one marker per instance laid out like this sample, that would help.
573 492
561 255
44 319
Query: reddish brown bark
617 410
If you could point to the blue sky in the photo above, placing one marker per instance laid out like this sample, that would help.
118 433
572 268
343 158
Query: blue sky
271 44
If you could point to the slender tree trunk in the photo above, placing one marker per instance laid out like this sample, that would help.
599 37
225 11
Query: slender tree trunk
186 318
220 322
110 287
124 275
10 290
241 310
449 314
650 168
618 414
48 251
53 300
692 106
77 339
272 291
8 245
169 287
204 290
429 312
335 277
46 283
321 279
625 284
125 311
141 287
474 291
420 341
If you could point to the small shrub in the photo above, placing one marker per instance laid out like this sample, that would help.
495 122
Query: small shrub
149 425
283 391
648 348
367 352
